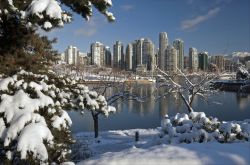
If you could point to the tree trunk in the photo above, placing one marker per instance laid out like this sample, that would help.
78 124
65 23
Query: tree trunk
95 117
190 109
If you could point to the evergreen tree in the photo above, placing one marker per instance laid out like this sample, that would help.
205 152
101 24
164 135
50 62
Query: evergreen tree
20 46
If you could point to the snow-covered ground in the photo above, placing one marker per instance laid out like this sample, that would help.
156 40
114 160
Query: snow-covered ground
119 147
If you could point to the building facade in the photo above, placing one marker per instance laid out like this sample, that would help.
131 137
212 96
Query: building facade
97 54
129 57
220 63
118 56
203 61
148 54
171 59
179 46
108 57
163 43
193 59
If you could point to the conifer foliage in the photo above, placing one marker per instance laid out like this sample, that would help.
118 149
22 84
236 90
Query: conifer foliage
34 123
20 46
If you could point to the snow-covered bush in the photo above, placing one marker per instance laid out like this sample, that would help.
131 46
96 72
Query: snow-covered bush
34 124
197 127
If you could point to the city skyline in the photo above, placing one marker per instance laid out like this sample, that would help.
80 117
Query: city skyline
198 23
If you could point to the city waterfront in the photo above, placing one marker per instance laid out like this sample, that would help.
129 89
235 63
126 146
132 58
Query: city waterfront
131 114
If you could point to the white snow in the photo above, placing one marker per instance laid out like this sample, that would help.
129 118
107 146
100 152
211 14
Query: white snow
11 105
31 140
119 147
28 112
5 82
47 25
61 121
50 7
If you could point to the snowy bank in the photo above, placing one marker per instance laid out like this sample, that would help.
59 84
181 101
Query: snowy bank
119 147
190 138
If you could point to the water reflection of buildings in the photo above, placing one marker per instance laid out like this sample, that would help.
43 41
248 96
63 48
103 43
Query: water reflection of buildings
163 107
242 100
145 107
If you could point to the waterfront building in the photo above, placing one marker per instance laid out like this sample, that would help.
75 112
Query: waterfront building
118 56
186 62
203 61
193 59
171 59
97 54
129 57
139 51
220 62
163 43
148 54
108 57
71 55
179 46
82 58
134 57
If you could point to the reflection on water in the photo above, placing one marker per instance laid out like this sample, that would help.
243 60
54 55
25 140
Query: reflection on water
243 100
132 114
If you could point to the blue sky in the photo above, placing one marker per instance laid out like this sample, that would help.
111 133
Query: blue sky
216 26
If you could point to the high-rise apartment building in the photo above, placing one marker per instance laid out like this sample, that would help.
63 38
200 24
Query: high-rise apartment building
219 61
179 46
129 57
171 59
97 54
118 56
71 55
148 54
193 59
186 62
108 57
139 51
203 61
82 58
163 43
134 58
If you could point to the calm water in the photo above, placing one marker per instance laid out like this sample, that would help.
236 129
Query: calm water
131 114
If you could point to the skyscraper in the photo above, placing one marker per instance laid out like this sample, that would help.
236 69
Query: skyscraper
108 57
179 46
134 58
148 54
139 51
129 56
97 54
171 59
71 55
203 61
118 56
193 59
163 43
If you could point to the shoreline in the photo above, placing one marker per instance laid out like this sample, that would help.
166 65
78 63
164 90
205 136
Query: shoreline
126 81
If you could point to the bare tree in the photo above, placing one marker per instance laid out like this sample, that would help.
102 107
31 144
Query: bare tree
188 89
121 91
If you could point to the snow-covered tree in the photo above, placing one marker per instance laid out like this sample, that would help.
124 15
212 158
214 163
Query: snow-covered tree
51 13
34 123
20 20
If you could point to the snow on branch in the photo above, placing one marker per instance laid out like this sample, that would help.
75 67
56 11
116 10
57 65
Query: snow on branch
33 114
49 13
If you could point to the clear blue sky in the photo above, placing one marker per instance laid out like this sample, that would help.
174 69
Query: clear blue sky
216 26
